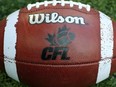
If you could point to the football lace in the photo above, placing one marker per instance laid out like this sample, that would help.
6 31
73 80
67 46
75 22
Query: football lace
62 2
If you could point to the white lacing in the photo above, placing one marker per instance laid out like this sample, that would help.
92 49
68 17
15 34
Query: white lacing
62 2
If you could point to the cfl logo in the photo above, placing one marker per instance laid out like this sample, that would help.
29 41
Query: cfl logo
52 53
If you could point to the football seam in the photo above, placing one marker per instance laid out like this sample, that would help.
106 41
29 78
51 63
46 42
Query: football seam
11 61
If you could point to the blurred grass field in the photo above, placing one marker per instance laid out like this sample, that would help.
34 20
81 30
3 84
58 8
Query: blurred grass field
8 6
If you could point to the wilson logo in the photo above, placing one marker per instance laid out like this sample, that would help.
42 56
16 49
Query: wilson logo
54 18
58 45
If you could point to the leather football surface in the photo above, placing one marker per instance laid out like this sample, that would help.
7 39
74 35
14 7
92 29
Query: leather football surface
58 44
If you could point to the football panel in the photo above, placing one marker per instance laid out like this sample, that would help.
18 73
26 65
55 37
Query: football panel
32 38
2 26
113 68
114 26
57 76
1 64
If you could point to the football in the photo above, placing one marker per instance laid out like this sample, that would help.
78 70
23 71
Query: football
58 44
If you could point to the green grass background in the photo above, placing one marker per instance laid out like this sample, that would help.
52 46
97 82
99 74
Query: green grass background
8 6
